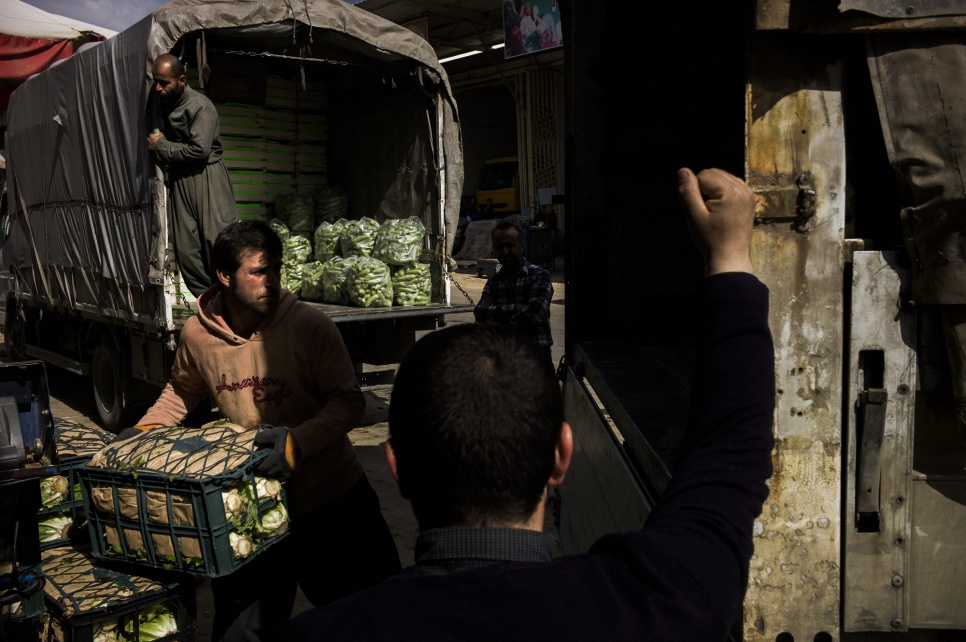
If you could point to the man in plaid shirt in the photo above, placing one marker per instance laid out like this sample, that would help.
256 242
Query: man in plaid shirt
519 294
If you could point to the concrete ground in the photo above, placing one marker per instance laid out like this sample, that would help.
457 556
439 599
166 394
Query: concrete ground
71 398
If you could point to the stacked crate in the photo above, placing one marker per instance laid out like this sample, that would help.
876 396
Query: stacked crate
88 603
76 444
276 147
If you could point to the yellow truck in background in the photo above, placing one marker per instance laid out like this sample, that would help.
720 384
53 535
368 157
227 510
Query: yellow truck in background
500 181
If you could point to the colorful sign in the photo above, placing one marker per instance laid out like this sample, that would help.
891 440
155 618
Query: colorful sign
530 27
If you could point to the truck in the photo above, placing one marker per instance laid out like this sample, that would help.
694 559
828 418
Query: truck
846 120
499 183
318 94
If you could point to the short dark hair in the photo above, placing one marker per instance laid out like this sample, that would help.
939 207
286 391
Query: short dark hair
507 224
241 237
474 420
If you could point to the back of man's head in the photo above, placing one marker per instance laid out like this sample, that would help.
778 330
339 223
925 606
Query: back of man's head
474 421
238 238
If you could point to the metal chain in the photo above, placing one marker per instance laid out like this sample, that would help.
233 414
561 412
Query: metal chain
460 288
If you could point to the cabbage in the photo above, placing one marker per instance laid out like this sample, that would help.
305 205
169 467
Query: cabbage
275 521
154 623
55 527
267 488
54 490
241 545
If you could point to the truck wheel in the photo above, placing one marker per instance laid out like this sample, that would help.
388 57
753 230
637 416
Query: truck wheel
14 338
108 385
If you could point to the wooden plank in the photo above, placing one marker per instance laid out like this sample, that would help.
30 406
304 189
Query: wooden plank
795 127
873 599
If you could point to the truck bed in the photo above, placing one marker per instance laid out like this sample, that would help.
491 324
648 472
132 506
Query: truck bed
346 313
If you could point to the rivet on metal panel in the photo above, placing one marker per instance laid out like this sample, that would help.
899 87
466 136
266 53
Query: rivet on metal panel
897 581
897 623
910 10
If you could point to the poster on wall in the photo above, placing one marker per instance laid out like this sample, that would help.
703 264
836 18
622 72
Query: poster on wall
530 27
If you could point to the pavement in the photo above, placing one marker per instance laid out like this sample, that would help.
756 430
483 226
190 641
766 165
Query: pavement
72 398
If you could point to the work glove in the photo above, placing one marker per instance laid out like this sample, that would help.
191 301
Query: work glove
127 433
275 465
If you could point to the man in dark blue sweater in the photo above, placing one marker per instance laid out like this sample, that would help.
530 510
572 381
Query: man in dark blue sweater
477 438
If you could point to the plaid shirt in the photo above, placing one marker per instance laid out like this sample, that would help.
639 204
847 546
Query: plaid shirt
531 287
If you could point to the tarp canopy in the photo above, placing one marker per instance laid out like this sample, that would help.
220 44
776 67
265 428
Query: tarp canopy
31 40
88 213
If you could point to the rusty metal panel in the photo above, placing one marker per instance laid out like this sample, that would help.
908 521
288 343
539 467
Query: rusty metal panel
905 8
795 131
772 14
877 536
937 583
601 494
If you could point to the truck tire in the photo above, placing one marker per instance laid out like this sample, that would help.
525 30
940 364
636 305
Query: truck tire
106 371
14 336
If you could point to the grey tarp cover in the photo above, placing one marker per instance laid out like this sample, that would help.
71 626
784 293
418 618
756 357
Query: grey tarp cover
920 86
78 162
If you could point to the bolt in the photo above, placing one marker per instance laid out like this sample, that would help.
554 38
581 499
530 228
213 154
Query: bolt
897 581
897 623
805 179
910 10
902 389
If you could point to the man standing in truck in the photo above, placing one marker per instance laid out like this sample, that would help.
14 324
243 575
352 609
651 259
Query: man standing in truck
265 357
477 439
519 294
201 192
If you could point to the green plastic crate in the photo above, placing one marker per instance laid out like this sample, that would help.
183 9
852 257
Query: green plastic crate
82 599
155 530
76 443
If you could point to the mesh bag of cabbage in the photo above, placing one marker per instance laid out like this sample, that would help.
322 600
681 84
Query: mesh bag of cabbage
61 516
87 603
183 498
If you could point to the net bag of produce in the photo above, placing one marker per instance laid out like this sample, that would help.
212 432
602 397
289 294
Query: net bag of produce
292 277
369 283
412 284
358 237
333 279
328 237
279 227
399 241
296 210
313 287
331 203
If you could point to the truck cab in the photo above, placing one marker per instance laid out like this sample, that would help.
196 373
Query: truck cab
499 183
